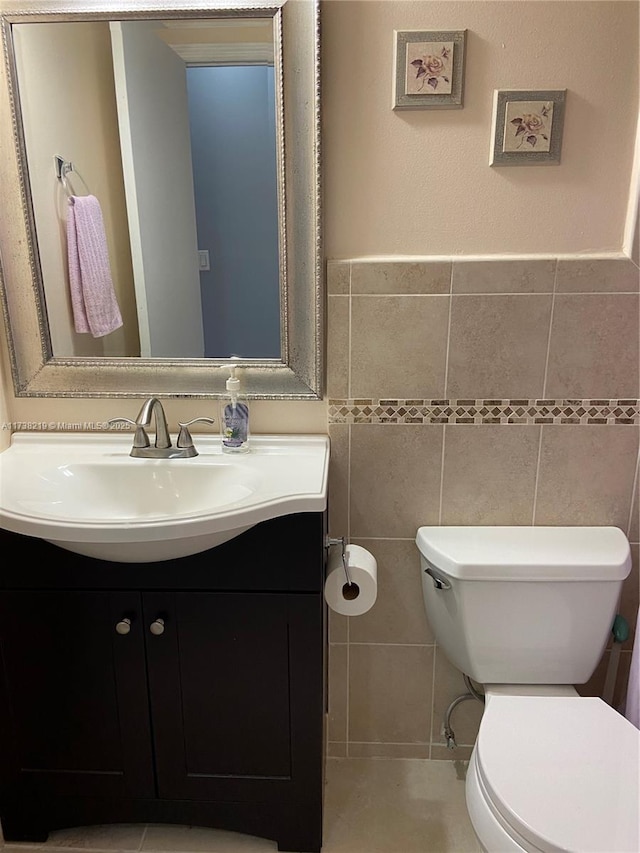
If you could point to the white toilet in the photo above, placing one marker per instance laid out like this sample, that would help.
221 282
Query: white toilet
527 612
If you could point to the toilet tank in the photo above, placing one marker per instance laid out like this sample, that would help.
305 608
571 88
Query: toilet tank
523 605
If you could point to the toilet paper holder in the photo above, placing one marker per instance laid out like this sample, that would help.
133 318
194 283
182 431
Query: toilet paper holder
340 541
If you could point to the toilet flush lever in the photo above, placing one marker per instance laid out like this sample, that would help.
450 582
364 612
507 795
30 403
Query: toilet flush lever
438 581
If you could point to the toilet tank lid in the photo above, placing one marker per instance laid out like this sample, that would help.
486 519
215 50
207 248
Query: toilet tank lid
527 553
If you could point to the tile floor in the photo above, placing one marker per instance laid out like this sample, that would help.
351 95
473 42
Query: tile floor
371 806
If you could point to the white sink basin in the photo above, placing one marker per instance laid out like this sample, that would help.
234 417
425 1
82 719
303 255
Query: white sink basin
86 494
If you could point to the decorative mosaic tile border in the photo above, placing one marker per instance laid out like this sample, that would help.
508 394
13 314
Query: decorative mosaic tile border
364 411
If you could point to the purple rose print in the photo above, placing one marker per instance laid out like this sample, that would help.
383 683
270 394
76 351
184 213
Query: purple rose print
532 127
433 69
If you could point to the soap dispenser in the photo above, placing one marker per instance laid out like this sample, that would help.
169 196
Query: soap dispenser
234 417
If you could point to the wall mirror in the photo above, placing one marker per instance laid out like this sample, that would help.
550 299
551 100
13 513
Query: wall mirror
193 130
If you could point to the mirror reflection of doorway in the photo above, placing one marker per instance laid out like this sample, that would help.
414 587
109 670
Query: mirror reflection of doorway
153 122
198 140
233 152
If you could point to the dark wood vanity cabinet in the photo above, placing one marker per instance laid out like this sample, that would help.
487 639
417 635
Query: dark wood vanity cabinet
189 691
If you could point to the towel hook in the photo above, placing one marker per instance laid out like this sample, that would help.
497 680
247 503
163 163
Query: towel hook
63 167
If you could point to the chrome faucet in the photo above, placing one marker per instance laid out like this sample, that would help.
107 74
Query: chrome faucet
162 449
152 408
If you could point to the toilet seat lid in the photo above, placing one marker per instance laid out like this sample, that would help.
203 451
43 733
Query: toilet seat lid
564 772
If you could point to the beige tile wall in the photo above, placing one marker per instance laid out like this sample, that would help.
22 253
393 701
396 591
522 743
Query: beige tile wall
530 330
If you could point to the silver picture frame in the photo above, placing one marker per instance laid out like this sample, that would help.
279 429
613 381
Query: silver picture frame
429 69
527 127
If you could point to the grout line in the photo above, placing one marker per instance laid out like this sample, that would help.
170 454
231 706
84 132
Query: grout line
349 335
187 849
348 530
444 431
347 704
397 743
553 305
378 757
433 697
144 836
544 389
395 645
535 401
506 293
391 743
554 292
444 438
489 256
446 358
348 534
537 480
442 761
633 493
404 293
47 845
178 849
390 538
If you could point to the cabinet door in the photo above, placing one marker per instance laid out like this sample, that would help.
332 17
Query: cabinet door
219 678
74 714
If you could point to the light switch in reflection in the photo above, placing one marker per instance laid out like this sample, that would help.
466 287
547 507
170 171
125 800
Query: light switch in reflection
203 260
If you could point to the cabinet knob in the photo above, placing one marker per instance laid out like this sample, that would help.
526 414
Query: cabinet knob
157 627
123 626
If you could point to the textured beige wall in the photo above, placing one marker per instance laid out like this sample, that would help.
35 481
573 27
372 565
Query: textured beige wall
418 182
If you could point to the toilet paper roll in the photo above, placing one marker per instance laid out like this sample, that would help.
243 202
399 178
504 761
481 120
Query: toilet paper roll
360 596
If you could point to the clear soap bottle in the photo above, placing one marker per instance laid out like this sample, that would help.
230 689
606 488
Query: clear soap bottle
234 418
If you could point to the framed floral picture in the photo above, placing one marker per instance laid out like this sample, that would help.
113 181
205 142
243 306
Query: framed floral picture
429 69
527 127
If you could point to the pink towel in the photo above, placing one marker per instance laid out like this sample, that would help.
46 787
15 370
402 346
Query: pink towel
93 299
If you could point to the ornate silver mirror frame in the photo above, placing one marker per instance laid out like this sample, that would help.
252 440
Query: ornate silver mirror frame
299 373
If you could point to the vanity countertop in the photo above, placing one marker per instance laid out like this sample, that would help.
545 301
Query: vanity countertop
87 494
